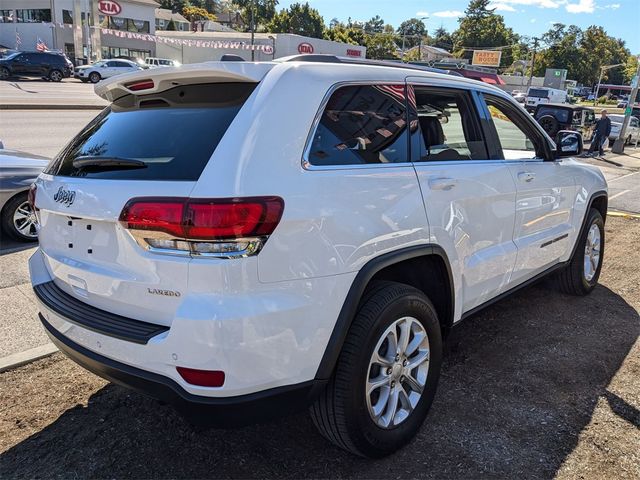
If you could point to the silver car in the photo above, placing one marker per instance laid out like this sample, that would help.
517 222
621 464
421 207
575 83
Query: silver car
18 171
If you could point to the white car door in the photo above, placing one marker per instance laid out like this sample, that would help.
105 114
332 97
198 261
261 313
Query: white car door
546 190
109 69
469 197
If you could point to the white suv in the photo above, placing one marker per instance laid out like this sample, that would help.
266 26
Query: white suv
248 239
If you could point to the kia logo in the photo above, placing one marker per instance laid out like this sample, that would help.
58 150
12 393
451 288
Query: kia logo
109 7
65 197
305 48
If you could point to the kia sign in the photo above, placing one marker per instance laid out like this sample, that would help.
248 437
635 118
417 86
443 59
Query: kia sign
109 7
353 52
305 48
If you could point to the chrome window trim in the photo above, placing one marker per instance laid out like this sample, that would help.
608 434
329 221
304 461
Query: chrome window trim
307 165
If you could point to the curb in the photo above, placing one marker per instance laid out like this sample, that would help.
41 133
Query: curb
22 358
616 213
38 106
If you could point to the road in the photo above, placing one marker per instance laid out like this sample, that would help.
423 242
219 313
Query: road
43 132
38 92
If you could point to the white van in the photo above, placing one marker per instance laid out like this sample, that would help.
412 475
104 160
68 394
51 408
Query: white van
152 62
536 95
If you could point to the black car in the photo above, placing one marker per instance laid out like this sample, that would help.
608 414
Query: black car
554 117
51 66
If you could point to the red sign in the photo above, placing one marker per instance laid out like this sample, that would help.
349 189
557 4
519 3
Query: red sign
352 52
109 7
305 48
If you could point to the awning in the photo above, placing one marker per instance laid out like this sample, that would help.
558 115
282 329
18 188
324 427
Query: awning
490 78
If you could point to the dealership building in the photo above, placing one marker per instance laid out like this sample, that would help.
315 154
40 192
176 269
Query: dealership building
90 30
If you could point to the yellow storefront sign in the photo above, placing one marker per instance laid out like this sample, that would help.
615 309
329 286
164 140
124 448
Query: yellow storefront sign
487 58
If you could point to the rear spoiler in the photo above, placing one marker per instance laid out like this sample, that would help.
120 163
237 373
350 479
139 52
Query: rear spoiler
160 79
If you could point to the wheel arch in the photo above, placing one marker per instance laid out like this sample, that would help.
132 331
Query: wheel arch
411 266
11 197
598 200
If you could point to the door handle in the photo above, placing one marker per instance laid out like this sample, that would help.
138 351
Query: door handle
442 183
526 176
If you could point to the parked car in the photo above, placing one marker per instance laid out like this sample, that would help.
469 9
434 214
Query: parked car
153 62
556 117
309 256
18 170
105 69
520 97
47 65
632 133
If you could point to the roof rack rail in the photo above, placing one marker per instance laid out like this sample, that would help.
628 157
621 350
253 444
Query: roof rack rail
327 58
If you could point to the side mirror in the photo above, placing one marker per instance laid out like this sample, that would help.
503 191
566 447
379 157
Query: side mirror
568 144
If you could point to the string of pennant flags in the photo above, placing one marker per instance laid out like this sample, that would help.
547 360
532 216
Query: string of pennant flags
217 44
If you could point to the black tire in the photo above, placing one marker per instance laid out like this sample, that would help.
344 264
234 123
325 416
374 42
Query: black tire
550 125
94 77
7 222
4 73
341 413
56 75
572 279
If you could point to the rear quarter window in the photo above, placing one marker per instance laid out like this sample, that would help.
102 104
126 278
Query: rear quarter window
170 135
362 124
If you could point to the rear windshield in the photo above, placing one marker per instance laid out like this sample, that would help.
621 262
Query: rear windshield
538 92
165 136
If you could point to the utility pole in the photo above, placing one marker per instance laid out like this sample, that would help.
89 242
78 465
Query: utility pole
602 70
253 31
533 60
618 145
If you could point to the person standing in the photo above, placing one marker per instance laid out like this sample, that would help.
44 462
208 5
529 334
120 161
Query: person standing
600 133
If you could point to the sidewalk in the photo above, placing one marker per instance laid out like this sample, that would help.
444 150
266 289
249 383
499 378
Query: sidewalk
69 94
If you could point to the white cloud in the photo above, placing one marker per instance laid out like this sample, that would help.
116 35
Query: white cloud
533 20
534 3
502 7
612 6
422 14
448 14
583 6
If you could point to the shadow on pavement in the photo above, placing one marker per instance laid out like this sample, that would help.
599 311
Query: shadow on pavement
520 382
8 245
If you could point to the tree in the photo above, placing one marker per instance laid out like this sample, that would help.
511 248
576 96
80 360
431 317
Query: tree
171 26
582 53
441 38
263 12
374 25
412 30
631 68
299 19
481 27
381 46
197 15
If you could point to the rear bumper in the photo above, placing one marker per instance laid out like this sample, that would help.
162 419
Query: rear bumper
218 412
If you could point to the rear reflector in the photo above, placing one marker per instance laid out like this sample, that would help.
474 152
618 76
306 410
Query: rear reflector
139 85
202 378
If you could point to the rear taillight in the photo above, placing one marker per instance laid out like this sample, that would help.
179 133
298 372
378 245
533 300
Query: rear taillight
139 85
224 228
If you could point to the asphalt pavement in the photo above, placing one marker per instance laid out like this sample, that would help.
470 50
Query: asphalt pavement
36 93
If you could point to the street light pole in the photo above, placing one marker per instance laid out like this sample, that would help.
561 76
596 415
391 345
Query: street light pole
253 31
602 70
533 61
618 145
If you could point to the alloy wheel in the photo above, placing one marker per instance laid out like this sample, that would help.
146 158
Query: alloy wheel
24 221
398 371
592 253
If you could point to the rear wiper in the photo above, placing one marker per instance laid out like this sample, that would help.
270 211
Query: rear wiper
107 163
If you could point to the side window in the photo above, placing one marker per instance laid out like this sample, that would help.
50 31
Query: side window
515 142
444 126
362 124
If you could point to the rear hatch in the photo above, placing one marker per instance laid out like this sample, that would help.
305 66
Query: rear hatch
153 141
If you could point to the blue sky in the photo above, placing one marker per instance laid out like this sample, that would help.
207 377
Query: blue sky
620 18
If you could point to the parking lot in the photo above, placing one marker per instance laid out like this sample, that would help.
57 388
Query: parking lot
538 385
